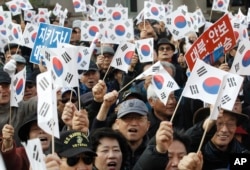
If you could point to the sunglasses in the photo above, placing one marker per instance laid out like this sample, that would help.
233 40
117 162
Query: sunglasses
165 48
65 100
71 161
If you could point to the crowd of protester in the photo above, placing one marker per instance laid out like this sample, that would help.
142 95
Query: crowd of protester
128 129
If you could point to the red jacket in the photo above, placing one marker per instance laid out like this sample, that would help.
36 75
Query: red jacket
15 158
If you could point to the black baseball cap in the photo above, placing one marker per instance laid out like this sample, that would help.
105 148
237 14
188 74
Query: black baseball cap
72 143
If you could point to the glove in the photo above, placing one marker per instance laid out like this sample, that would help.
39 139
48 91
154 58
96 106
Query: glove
10 67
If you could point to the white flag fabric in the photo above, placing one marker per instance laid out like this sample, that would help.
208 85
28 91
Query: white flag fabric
154 11
145 49
90 28
101 12
57 8
240 16
168 7
47 107
123 56
14 33
28 15
79 5
62 16
60 62
42 11
197 18
179 22
29 35
2 164
14 8
156 67
163 85
83 57
5 18
117 31
220 5
24 4
231 85
248 15
204 82
100 3
240 30
33 149
241 63
230 90
140 17
194 19
116 14
18 87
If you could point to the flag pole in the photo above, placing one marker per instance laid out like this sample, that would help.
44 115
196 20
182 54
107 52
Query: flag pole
172 118
203 137
53 140
106 73
196 4
126 85
10 115
210 17
79 97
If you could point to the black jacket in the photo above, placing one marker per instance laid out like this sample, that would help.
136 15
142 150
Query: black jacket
133 157
215 158
151 159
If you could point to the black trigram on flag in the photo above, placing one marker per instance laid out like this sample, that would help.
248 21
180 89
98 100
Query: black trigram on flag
237 67
242 48
85 25
44 83
194 89
236 25
51 124
155 68
30 29
163 95
170 84
124 47
44 109
66 57
225 99
231 82
68 77
201 71
36 154
118 61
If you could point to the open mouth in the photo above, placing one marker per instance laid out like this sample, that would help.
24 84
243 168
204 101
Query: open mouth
43 140
112 165
133 130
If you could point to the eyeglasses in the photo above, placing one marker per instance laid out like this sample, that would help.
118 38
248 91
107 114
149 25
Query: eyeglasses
229 125
65 100
165 48
71 161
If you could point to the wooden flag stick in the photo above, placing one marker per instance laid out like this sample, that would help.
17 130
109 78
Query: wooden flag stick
126 85
172 118
203 137
106 73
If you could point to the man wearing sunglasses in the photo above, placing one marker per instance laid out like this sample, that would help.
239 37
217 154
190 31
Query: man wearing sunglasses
166 52
73 149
